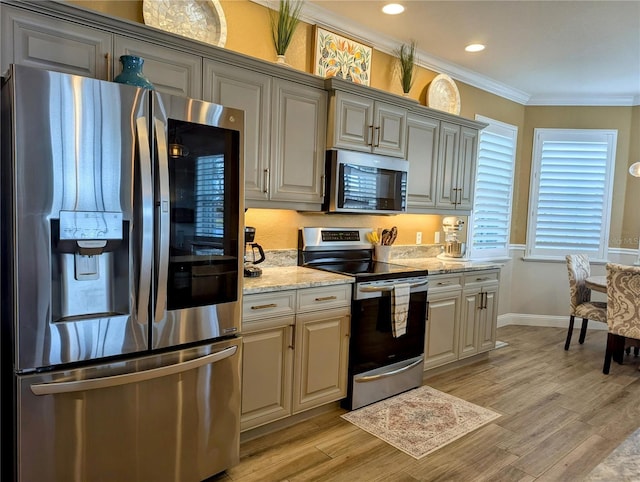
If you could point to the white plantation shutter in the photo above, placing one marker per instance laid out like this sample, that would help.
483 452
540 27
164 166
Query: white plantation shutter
490 222
570 197
209 193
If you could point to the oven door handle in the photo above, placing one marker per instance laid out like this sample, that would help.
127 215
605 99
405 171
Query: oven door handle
372 289
373 378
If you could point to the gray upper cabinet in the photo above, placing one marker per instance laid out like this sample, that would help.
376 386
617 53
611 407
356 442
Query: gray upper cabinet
457 152
422 154
40 41
250 91
299 120
364 124
170 71
285 125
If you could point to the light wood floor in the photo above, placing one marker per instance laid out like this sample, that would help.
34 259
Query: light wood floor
560 417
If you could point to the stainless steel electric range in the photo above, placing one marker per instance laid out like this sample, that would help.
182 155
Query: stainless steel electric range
380 364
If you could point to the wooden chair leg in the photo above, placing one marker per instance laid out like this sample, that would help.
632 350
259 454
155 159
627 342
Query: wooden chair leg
636 350
569 333
618 349
583 330
608 354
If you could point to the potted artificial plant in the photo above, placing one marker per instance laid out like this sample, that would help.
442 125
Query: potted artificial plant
283 25
406 55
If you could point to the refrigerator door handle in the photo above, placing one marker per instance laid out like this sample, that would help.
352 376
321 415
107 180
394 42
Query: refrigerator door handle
128 378
146 188
163 221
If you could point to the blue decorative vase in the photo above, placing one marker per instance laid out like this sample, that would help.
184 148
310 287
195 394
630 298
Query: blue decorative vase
132 72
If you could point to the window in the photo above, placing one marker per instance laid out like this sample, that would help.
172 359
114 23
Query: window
210 197
490 221
570 194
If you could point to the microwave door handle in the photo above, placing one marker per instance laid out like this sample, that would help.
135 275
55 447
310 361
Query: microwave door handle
163 221
146 228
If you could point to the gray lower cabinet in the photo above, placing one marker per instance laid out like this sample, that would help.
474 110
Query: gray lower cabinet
443 320
285 124
462 316
37 40
295 349
479 314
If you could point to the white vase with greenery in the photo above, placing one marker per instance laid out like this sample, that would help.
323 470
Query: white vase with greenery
283 25
406 58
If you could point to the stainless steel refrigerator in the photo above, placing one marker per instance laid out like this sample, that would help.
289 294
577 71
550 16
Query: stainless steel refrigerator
121 275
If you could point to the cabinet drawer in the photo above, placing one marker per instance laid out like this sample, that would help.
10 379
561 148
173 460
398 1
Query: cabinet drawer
324 297
439 283
259 306
475 279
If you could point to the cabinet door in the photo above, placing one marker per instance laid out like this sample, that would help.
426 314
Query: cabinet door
322 346
53 44
448 155
267 372
299 120
466 176
390 130
471 300
443 326
422 154
488 319
170 71
251 92
352 122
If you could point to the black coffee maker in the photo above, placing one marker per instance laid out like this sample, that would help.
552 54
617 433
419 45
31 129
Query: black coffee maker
250 270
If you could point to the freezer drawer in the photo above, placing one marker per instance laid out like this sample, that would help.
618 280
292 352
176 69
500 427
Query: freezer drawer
169 417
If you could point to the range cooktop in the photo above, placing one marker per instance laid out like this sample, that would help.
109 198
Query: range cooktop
345 251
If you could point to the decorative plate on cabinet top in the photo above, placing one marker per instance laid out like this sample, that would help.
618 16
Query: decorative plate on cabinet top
201 20
443 94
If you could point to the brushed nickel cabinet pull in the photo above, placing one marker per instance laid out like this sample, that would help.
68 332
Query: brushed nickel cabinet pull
377 137
107 58
266 181
262 307
323 182
292 339
326 298
370 141
444 283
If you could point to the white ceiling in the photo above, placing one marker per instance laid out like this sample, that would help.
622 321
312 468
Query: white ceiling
538 52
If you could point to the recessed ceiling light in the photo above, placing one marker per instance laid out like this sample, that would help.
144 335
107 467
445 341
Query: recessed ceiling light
393 9
474 48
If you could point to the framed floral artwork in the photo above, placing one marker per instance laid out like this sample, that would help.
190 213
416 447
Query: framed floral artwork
337 56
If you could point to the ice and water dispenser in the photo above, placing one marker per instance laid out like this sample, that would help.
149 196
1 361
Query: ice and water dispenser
90 265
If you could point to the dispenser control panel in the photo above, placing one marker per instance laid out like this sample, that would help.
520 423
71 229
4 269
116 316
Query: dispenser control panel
77 225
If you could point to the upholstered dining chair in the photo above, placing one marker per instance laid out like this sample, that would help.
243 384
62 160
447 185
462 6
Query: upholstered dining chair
580 297
623 310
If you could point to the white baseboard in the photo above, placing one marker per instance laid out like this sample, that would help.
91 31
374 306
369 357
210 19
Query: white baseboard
544 320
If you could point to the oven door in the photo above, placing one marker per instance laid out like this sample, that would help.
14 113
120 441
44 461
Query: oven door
372 342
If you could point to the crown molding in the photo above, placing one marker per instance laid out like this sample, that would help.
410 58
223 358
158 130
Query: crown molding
585 100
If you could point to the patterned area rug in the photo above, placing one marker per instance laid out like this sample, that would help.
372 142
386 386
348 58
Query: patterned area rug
622 465
420 421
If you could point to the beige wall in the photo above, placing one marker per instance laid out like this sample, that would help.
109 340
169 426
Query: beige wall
248 32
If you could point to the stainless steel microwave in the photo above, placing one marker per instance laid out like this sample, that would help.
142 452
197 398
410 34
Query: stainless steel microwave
359 182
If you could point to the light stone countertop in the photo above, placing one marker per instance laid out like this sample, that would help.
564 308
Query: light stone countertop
292 277
440 266
276 278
